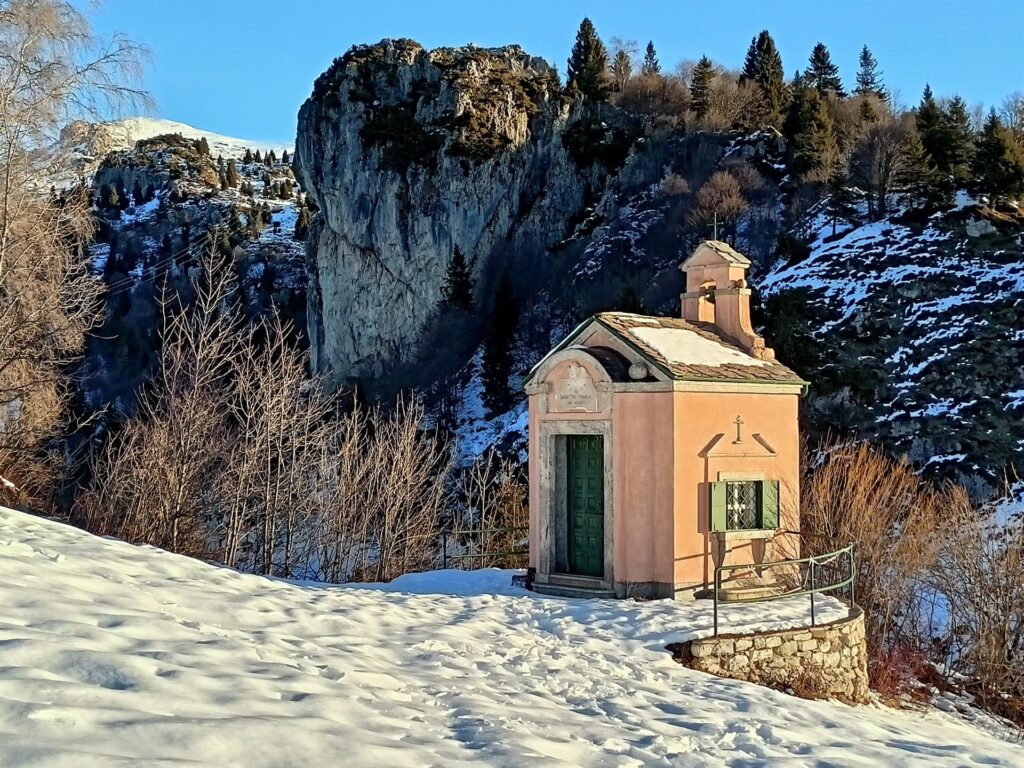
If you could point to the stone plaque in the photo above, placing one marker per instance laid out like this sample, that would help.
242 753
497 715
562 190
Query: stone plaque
575 393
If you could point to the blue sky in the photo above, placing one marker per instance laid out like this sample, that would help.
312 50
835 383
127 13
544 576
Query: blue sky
243 68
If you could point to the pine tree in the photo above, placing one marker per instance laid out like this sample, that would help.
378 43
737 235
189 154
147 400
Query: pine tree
247 157
621 69
302 222
822 75
284 156
257 158
763 65
917 179
166 246
137 195
998 160
701 80
869 78
651 65
841 204
498 340
231 174
203 147
271 158
959 153
588 64
220 162
457 289
933 186
867 113
814 149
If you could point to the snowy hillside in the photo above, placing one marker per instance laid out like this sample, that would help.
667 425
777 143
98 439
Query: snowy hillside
113 655
133 129
913 337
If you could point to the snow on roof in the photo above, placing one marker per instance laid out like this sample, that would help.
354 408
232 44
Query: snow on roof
681 345
726 251
693 351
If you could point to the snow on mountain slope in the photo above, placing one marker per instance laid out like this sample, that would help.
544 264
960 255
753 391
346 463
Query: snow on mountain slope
133 129
114 655
917 337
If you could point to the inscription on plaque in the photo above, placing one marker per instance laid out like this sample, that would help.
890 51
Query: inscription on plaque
575 393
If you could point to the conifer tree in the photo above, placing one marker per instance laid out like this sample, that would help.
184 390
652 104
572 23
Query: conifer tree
998 160
247 157
621 69
203 147
959 153
814 149
841 204
867 113
651 65
271 157
763 65
302 222
588 64
220 162
166 246
498 340
284 156
822 75
457 289
869 78
257 158
917 179
137 195
701 80
231 174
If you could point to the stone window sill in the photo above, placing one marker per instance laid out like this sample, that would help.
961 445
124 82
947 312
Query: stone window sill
750 535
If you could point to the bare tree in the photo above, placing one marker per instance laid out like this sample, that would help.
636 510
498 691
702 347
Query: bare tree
52 69
880 157
719 200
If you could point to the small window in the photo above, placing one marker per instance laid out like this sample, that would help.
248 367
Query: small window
742 505
745 505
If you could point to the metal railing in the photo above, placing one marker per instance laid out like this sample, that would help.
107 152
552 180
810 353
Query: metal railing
828 572
480 536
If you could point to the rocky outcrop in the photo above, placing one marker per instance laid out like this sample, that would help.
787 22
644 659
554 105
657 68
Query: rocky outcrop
408 153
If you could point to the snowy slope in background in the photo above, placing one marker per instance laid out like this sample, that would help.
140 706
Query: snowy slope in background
114 655
133 129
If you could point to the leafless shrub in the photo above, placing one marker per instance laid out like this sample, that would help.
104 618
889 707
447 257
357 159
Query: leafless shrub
718 199
673 184
979 579
493 493
237 455
894 519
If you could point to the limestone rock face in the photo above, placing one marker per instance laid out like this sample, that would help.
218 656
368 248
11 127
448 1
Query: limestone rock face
407 153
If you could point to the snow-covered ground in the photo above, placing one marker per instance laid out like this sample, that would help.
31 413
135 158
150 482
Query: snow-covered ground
114 655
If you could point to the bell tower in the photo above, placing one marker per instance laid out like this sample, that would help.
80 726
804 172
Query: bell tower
717 293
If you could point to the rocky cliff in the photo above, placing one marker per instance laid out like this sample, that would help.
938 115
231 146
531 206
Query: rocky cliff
408 153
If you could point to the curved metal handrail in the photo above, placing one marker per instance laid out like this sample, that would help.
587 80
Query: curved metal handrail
845 554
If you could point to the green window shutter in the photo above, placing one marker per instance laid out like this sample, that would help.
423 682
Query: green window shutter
717 506
770 504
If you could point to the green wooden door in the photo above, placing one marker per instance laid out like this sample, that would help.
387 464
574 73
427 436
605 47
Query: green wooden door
585 461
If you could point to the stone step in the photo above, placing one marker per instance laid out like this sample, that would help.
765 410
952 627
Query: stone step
749 592
563 590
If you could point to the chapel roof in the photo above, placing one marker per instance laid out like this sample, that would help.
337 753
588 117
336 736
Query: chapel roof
692 351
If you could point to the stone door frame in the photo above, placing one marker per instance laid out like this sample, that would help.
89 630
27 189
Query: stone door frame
554 497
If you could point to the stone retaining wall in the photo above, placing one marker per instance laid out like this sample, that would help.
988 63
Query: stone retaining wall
825 662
